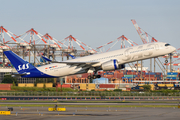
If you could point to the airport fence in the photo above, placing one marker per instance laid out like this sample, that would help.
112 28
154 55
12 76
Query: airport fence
89 94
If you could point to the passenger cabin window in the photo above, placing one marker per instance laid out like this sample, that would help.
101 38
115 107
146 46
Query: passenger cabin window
167 44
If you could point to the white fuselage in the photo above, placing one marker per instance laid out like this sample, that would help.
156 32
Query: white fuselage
123 56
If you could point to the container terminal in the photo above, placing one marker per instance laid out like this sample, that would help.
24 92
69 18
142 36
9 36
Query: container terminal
31 45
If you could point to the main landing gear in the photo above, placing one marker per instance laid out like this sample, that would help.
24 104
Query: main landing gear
94 76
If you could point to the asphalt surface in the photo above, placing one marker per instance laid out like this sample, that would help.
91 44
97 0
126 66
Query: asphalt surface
34 113
95 113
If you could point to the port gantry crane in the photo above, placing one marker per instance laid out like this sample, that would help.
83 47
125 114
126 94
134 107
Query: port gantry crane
71 49
121 38
10 43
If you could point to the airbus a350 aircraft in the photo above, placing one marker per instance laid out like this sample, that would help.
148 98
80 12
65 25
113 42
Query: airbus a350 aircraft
104 61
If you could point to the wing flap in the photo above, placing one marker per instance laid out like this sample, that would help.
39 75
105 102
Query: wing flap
79 63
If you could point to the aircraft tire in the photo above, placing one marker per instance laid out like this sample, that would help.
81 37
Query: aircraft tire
94 76
89 77
98 76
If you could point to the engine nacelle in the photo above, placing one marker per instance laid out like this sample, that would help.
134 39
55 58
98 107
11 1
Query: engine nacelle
111 65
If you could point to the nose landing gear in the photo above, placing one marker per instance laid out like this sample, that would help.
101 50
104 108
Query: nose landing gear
94 76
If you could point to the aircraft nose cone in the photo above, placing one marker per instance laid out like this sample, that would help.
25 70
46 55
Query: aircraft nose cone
174 49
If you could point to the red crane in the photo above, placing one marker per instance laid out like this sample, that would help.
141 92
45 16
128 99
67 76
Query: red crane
122 38
143 35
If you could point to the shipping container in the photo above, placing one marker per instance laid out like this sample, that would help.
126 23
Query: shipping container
101 80
170 85
172 73
132 76
40 85
21 85
29 85
91 86
119 75
137 88
161 85
64 85
5 86
83 86
106 86
123 89
128 89
151 73
173 78
109 73
117 81
127 78
152 86
108 76
49 85
85 75
149 78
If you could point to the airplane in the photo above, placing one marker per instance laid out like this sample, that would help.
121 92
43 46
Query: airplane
112 60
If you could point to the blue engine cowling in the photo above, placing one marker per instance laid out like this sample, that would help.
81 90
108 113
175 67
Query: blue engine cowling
112 65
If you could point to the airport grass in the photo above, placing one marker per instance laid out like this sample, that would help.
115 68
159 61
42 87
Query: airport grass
91 106
36 89
26 101
55 101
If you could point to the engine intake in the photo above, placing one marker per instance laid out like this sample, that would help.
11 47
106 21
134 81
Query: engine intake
111 65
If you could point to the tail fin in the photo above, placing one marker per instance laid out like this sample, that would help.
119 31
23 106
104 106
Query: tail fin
20 64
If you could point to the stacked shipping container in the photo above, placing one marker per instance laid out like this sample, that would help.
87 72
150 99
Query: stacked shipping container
173 76
5 86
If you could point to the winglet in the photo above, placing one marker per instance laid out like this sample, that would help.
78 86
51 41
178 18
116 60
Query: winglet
73 57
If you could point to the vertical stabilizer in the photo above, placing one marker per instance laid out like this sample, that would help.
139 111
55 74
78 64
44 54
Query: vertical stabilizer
21 65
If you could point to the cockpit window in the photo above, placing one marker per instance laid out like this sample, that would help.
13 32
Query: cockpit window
167 44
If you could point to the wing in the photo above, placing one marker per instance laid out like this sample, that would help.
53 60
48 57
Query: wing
84 65
71 63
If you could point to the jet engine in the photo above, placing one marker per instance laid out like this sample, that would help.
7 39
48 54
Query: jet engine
112 65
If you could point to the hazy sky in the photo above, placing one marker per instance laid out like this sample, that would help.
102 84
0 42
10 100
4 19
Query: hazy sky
95 22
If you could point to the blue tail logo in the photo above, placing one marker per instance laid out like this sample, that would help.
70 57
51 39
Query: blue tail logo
24 67
20 64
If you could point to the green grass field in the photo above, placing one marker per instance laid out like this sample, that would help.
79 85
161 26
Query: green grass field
55 101
59 103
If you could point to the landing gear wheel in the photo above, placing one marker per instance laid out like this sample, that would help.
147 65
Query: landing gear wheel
94 76
89 77
98 76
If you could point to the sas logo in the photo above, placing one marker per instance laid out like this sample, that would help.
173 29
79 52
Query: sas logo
51 67
23 67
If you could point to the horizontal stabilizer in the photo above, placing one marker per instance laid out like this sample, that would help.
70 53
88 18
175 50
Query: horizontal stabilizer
16 74
46 58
